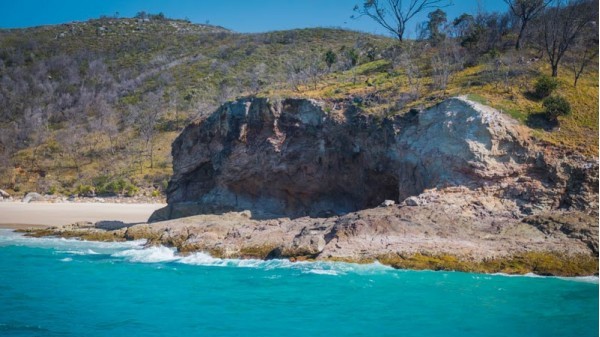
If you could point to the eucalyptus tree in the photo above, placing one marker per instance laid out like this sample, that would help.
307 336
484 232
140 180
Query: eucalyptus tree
562 25
394 15
526 11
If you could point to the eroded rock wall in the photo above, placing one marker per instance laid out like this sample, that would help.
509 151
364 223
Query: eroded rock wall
291 158
285 158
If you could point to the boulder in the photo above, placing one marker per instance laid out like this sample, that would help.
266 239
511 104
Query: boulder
387 203
110 225
412 201
292 158
3 194
33 197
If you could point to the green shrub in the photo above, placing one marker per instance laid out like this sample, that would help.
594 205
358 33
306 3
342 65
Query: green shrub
85 190
544 86
556 106
52 190
131 190
114 186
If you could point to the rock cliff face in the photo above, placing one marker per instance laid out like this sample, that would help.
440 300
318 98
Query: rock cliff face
291 158
474 193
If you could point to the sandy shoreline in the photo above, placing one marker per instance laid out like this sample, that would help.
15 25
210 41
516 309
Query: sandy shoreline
18 215
21 226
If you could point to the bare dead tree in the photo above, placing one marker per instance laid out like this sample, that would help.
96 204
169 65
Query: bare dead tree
563 24
584 52
525 10
408 60
393 15
257 78
314 69
148 116
444 63
295 72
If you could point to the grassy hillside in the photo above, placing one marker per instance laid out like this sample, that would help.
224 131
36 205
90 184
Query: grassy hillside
95 105
96 101
389 87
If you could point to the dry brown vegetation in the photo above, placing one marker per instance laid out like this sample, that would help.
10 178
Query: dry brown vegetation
94 106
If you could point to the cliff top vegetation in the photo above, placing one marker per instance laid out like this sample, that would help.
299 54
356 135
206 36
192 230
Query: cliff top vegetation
92 107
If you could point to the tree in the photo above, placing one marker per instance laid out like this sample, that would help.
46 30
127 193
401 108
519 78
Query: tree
148 115
257 78
463 26
436 19
481 33
544 86
563 24
584 51
525 10
407 60
313 69
352 59
444 63
392 15
555 106
330 58
141 15
295 72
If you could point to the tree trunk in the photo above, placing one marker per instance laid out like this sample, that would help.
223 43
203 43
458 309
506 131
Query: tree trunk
554 70
520 36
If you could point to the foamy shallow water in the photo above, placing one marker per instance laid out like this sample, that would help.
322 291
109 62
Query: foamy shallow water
134 251
58 287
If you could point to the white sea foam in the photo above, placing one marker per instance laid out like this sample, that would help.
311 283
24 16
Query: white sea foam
202 259
133 251
163 254
323 272
519 275
313 267
148 255
66 246
79 252
585 279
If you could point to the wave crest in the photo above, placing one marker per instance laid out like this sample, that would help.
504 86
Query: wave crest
161 254
148 255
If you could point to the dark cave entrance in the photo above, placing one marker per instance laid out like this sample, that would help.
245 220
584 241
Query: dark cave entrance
380 187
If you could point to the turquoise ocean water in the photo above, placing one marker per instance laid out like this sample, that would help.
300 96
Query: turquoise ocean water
57 287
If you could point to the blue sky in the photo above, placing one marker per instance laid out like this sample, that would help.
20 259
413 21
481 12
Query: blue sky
238 15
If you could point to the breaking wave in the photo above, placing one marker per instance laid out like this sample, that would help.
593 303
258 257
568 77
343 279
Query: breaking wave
66 246
134 251
168 255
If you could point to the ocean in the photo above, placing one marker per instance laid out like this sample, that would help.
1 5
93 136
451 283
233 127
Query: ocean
59 287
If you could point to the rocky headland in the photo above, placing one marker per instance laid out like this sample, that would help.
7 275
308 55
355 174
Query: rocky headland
456 186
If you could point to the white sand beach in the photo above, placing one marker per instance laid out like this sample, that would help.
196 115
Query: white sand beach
20 215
